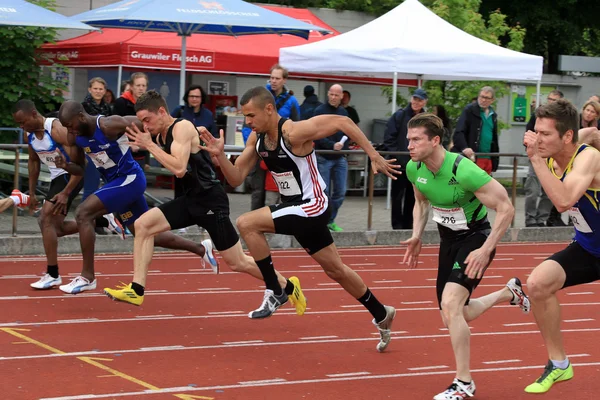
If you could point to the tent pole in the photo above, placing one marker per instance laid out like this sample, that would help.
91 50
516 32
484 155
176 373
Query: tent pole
538 88
388 202
119 79
419 81
182 72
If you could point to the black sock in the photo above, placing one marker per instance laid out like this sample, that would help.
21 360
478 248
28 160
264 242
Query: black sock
137 288
289 287
463 382
53 271
376 309
269 275
101 222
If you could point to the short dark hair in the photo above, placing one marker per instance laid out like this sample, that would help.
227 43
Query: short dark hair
124 85
24 105
260 94
432 123
69 110
195 87
564 114
348 93
557 92
151 101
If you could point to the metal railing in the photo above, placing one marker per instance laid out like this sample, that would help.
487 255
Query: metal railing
236 150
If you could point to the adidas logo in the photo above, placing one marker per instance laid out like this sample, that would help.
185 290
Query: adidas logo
452 181
210 212
456 266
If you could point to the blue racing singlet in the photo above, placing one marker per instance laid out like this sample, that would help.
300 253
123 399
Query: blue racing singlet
585 214
111 157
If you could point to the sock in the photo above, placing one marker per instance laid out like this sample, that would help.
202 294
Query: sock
376 309
269 276
463 382
137 288
16 200
101 222
52 271
289 287
561 364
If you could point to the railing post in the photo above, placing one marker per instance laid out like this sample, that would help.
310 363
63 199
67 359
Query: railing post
371 190
514 188
16 186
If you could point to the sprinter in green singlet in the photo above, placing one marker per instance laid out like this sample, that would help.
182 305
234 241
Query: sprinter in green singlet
459 193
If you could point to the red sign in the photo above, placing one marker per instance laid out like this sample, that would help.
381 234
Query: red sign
170 58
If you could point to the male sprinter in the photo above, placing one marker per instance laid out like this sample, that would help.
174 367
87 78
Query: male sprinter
104 141
287 149
204 202
460 193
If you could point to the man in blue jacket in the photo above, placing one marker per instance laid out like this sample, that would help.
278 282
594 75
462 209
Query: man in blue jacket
333 167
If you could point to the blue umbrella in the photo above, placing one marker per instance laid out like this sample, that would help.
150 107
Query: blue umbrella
187 17
23 13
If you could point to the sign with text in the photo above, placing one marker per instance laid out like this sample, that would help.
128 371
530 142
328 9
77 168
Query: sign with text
161 57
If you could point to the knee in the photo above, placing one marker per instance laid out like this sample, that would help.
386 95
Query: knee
244 224
83 215
451 309
141 227
335 272
538 289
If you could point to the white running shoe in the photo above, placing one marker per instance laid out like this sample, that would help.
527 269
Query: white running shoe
519 297
385 328
457 391
46 282
209 256
78 285
114 225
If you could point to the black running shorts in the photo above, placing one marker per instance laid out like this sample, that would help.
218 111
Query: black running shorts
579 265
58 184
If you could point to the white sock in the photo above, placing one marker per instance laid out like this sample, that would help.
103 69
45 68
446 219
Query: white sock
16 200
561 364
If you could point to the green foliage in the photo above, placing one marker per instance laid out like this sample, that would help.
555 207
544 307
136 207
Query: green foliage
21 75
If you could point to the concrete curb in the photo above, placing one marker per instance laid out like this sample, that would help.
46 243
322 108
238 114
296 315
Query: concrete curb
32 245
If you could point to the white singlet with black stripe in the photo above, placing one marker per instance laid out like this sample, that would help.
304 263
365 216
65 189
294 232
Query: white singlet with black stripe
297 178
47 149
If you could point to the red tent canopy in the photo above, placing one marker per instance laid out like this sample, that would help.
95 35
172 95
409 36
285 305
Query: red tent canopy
254 54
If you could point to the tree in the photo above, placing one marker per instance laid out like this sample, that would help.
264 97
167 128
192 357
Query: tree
21 76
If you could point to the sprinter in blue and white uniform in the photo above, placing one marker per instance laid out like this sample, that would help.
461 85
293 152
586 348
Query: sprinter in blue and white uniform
570 175
47 139
105 144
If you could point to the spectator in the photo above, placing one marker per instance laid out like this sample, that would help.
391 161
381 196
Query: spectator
109 98
539 210
311 102
440 111
333 167
352 113
477 131
403 196
94 103
590 113
194 110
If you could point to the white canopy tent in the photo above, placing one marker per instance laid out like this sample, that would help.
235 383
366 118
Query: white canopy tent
410 41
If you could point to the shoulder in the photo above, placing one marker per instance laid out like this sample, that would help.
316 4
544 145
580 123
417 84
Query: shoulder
184 128
469 174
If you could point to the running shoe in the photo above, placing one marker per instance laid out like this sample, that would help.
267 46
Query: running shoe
270 303
457 391
297 297
519 297
124 293
549 377
333 227
114 225
209 256
46 282
385 329
78 285
23 199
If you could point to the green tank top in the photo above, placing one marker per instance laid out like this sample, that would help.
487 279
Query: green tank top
450 191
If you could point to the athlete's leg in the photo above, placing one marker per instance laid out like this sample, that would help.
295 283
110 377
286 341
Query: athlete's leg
235 258
481 304
6 203
454 297
85 216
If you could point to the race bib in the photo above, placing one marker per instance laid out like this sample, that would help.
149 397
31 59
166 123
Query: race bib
47 157
287 184
578 221
101 160
453 218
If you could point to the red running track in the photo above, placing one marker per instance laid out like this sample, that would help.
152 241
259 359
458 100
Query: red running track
192 338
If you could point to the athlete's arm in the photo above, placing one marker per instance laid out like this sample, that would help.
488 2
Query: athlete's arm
322 126
420 217
494 196
33 167
590 136
234 173
59 133
115 126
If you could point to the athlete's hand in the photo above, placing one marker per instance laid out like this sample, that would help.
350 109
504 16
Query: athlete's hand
141 139
468 152
530 141
338 146
60 203
413 249
60 162
215 147
380 164
33 204
477 261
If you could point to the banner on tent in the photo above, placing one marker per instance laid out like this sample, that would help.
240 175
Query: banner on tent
142 55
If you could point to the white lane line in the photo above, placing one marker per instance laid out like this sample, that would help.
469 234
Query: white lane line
361 264
578 293
263 382
493 276
362 373
579 320
577 355
76 321
154 316
391 333
328 284
243 342
428 368
501 362
416 302
317 337
352 306
226 312
279 382
309 266
520 324
162 348
446 329
388 281
215 289
504 259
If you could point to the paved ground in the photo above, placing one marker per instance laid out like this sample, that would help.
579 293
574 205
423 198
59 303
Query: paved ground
353 215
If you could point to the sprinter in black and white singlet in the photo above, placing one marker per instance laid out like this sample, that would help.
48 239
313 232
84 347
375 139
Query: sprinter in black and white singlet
287 149
47 139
